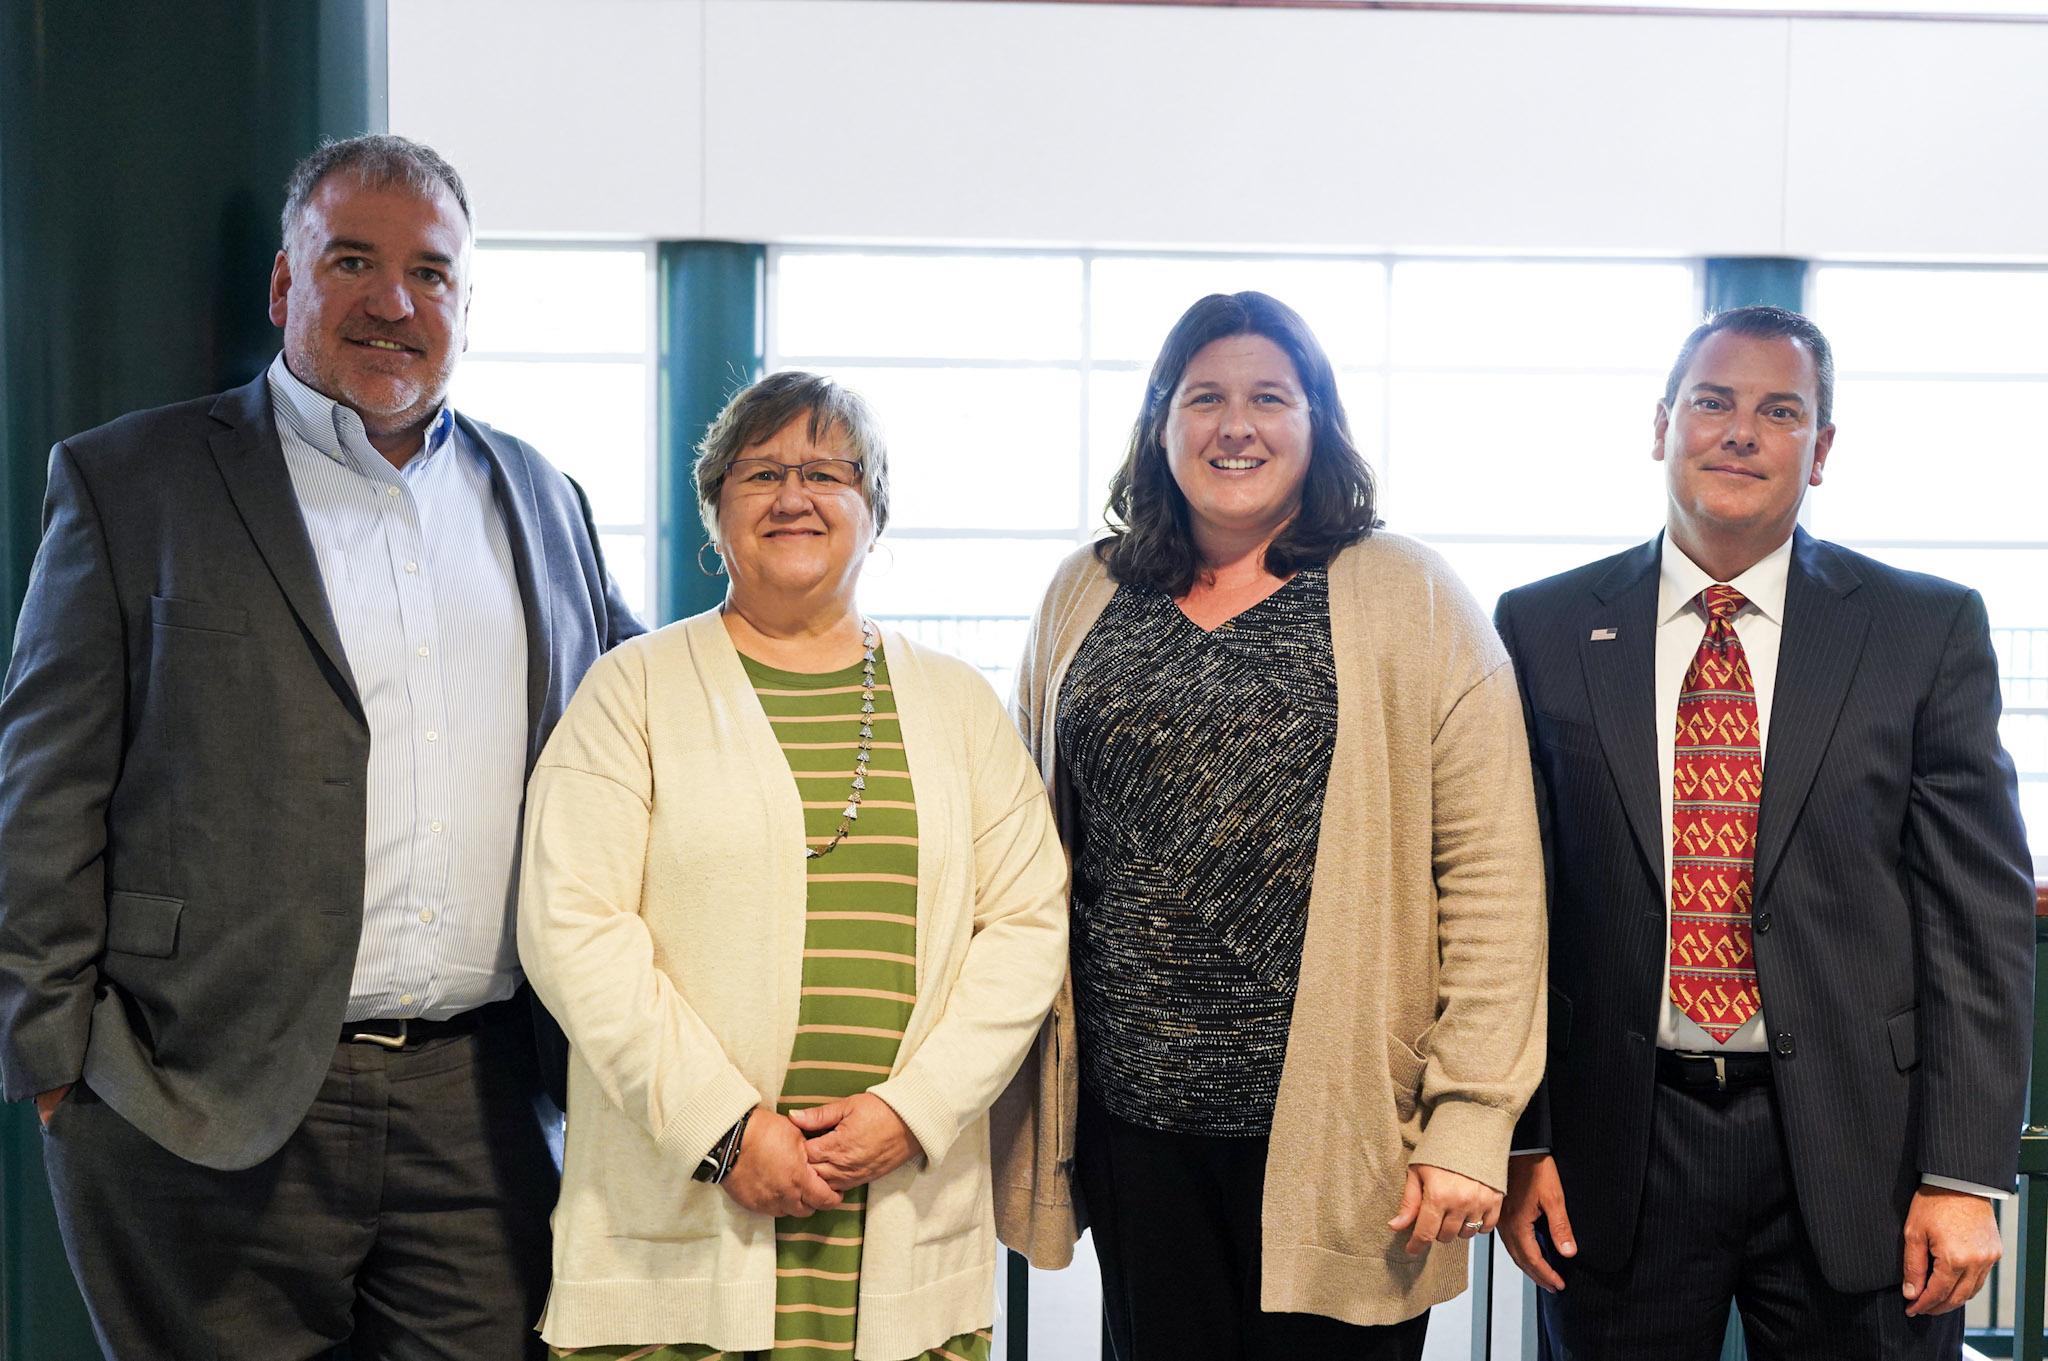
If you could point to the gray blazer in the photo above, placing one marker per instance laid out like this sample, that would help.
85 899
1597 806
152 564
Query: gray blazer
183 762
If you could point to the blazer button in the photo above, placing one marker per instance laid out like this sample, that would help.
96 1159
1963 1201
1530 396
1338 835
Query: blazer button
1785 1042
1763 923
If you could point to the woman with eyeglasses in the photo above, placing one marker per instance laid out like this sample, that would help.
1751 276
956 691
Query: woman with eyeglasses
1287 756
792 888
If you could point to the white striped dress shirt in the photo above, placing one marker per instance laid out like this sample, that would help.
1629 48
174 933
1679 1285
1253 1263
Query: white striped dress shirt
419 575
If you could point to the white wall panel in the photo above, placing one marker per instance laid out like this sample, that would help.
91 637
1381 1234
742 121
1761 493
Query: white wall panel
581 117
908 120
1252 126
1918 139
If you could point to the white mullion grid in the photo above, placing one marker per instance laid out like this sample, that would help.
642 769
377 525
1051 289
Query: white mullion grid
558 356
1086 364
647 358
1084 526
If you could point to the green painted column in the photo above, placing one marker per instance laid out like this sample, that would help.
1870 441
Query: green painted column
713 299
143 152
1746 280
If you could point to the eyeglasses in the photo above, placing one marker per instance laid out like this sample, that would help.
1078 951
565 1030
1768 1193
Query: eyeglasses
764 476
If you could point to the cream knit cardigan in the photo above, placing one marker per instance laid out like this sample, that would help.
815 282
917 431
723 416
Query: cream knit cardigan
661 919
1416 1030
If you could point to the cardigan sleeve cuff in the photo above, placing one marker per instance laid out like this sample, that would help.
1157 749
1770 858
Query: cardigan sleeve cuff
1469 1139
921 1108
707 1115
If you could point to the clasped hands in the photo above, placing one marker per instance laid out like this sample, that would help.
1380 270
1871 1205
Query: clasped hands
798 1164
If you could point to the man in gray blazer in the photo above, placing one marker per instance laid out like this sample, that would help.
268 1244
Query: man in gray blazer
286 657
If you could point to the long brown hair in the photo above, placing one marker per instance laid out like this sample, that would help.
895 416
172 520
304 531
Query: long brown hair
1150 542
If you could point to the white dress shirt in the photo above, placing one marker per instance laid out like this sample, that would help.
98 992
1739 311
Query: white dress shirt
1681 624
1760 625
419 575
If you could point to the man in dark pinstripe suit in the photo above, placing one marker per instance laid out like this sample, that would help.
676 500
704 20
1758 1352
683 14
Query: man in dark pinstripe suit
1789 1023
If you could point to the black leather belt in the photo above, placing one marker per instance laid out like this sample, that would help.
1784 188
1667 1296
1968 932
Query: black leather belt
405 1033
1695 1072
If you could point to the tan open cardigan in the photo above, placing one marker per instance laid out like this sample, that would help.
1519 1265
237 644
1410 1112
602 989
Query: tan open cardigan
1417 1029
661 918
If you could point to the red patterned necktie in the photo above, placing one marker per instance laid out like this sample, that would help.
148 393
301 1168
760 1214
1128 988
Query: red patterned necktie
1717 774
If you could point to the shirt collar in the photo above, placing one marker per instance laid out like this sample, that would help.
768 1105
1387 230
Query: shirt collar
1680 580
337 431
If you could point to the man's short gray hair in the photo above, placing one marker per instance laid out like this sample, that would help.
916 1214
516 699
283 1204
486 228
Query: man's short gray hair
378 160
757 411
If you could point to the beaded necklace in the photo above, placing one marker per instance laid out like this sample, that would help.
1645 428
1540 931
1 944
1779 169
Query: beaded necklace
869 640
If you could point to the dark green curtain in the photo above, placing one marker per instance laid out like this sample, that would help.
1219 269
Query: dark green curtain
143 152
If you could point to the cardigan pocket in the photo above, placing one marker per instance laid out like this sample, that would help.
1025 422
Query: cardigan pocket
1405 1065
955 1197
647 1196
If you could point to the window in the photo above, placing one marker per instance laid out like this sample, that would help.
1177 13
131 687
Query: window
1505 404
562 355
1940 464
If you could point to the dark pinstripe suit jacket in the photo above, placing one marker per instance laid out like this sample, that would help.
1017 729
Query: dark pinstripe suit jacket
1894 894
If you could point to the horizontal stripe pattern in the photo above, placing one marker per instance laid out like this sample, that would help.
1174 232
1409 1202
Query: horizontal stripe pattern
859 985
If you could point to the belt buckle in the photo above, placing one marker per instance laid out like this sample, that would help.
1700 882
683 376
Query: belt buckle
1720 1072
386 1041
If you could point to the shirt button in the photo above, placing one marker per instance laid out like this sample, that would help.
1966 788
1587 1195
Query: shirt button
435 826
391 491
433 736
423 649
426 914
405 1000
412 567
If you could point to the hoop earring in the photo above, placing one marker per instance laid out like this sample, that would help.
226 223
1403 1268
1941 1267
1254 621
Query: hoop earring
716 557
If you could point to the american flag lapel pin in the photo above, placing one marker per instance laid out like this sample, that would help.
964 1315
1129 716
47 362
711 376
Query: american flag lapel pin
1602 636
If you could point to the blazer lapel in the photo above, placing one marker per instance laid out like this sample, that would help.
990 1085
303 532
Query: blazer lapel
1619 650
251 463
512 482
1823 644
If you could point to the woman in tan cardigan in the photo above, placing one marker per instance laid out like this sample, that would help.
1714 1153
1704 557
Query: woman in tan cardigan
792 889
1287 758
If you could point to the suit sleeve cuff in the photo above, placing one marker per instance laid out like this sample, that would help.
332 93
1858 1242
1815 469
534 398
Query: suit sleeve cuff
1951 1184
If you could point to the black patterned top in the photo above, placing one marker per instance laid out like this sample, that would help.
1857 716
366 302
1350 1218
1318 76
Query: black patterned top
1198 761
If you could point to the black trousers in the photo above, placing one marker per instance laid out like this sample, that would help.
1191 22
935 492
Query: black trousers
1175 1218
407 1216
1719 1223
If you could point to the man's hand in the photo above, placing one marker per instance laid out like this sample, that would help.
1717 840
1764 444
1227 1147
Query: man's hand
1534 1192
47 1102
772 1176
1442 1206
856 1140
1957 1230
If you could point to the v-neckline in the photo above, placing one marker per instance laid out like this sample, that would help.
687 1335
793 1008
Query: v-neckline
1221 624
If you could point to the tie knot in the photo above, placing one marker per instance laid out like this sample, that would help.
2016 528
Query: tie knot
1722 602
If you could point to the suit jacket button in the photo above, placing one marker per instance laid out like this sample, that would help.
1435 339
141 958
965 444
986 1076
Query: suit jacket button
1785 1042
1763 923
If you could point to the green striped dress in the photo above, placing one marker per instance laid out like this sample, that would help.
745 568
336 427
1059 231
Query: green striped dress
859 984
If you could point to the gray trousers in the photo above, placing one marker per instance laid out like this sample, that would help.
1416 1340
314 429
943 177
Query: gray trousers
407 1216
